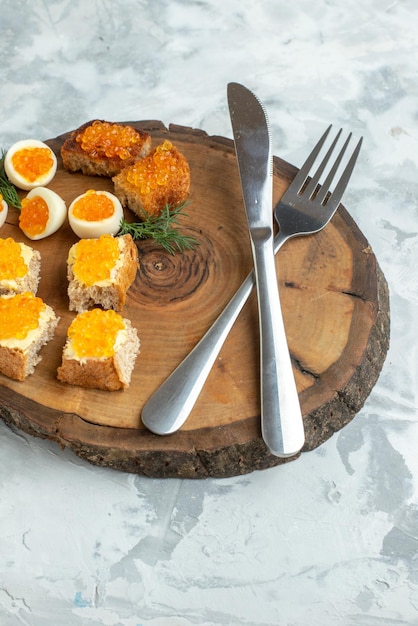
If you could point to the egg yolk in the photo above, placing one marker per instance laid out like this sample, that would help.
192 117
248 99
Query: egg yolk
103 139
1 203
19 315
12 264
93 333
33 216
156 169
32 163
95 259
93 207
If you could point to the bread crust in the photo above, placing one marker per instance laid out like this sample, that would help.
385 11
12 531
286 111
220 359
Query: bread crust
13 363
19 364
108 374
75 159
28 282
113 296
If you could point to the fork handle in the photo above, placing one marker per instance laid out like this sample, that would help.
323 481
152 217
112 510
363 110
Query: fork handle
281 418
170 405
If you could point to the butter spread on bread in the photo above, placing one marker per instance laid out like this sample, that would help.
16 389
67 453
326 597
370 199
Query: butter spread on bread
19 267
27 323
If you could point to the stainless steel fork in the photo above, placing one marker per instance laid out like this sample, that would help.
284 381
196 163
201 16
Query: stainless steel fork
305 208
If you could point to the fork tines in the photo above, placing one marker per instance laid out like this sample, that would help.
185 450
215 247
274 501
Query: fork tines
310 185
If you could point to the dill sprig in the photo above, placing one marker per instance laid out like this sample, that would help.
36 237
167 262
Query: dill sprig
7 189
161 228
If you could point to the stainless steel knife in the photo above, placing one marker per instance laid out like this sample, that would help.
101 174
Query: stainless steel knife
280 408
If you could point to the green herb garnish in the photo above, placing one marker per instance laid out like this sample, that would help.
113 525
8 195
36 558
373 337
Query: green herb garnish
7 189
162 229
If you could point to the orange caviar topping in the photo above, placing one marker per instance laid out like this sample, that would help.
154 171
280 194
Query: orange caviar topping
19 315
32 163
95 259
103 139
157 169
93 333
12 263
93 207
33 216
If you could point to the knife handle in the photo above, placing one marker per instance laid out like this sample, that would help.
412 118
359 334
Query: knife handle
281 418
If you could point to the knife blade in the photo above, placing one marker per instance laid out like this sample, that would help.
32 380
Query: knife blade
280 408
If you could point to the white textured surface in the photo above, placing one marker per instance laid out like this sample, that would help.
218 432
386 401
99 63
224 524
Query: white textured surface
331 539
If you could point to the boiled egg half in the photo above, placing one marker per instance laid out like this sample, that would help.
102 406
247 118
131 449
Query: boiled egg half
3 210
43 212
30 163
95 213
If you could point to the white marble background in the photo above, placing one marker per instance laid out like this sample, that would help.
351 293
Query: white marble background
331 539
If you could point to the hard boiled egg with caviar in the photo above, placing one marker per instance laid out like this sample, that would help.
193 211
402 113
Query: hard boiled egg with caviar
95 213
30 163
3 210
43 212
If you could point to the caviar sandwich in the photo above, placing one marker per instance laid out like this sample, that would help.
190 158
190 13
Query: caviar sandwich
100 351
19 267
100 148
161 179
26 324
100 271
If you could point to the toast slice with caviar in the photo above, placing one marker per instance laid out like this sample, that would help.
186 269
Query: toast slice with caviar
100 351
101 148
162 178
100 272
27 324
19 267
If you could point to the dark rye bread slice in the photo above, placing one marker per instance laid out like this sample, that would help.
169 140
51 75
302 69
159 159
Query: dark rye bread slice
75 159
162 178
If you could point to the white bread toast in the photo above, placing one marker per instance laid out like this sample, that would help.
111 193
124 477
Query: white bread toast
19 356
110 293
108 373
30 260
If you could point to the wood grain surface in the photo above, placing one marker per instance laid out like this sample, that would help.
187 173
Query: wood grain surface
335 307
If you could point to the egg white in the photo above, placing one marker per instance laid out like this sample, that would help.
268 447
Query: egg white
4 210
15 177
57 211
93 229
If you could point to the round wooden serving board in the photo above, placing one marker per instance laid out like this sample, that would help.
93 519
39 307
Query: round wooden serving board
335 307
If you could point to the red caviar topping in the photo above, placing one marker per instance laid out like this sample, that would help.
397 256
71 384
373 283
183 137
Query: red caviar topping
95 259
103 139
157 169
19 315
93 207
12 264
93 333
32 163
33 216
